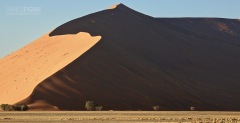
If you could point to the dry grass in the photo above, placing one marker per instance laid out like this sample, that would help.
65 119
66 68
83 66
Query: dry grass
118 116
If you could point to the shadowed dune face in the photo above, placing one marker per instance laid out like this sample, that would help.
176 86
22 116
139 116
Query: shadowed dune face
24 69
212 27
143 61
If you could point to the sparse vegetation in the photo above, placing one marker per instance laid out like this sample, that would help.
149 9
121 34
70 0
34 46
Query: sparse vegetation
192 108
90 105
6 107
17 107
23 107
156 108
98 108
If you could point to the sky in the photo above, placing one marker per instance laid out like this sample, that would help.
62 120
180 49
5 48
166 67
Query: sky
23 21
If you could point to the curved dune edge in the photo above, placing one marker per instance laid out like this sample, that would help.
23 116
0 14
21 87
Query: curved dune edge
114 6
24 69
42 105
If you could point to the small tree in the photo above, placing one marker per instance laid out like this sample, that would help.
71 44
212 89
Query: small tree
3 107
20 107
6 107
156 108
17 107
98 108
90 105
23 107
192 108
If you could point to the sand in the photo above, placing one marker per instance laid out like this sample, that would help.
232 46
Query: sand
113 6
24 69
119 116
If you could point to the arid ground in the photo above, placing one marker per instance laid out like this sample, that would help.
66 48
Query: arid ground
119 116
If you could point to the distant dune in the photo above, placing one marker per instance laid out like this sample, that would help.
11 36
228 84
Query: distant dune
132 61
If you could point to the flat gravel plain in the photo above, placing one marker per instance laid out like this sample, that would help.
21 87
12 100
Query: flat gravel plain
119 117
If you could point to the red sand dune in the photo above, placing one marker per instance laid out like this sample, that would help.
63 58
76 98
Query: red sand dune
24 69
140 61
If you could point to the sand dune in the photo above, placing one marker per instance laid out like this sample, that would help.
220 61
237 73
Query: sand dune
113 6
24 69
141 61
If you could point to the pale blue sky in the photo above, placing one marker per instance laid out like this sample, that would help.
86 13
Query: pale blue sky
22 21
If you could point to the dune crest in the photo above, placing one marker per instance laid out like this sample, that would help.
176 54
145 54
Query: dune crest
24 69
114 6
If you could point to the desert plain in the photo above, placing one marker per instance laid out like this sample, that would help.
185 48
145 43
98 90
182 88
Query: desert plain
120 116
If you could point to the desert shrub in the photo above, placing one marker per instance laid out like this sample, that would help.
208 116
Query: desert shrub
156 108
16 107
192 108
90 105
6 107
20 107
98 108
24 107
3 107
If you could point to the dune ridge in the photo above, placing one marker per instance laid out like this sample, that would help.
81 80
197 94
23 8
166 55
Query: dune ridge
114 6
24 69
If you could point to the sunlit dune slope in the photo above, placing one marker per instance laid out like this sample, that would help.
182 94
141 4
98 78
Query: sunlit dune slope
24 69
